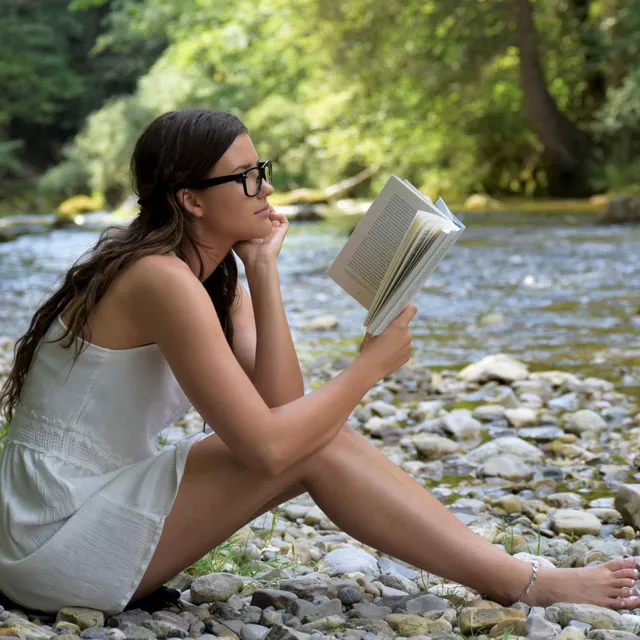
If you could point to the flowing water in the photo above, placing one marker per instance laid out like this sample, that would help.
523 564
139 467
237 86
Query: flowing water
568 291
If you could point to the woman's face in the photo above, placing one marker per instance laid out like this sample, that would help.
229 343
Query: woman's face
224 212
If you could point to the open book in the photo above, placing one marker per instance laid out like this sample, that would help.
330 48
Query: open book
393 250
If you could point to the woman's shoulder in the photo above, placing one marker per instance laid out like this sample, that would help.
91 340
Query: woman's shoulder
153 269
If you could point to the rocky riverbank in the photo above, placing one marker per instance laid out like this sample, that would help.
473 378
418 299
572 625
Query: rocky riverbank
543 464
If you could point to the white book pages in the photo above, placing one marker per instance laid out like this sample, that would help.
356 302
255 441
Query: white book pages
410 287
420 239
362 263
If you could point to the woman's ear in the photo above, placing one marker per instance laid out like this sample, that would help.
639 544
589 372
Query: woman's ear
189 202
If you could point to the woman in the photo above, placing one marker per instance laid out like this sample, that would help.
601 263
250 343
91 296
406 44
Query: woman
97 515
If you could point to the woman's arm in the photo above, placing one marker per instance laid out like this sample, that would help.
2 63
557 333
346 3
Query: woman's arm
170 302
262 340
262 326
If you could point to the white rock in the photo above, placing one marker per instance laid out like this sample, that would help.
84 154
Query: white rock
522 417
584 420
321 323
430 445
489 412
530 557
510 444
628 504
506 466
383 409
577 522
497 367
351 560
461 424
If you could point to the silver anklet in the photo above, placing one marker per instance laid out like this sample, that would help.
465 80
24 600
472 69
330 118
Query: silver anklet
535 565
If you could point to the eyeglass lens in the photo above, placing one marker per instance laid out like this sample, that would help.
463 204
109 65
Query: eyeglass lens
253 179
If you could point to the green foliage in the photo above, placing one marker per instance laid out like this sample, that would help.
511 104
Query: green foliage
426 89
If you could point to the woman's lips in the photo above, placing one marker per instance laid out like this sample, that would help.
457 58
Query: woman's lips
263 212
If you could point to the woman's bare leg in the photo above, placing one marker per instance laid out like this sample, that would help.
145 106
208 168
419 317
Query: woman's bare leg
373 500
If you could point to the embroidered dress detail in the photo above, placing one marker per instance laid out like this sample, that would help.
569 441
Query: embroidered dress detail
51 437
84 485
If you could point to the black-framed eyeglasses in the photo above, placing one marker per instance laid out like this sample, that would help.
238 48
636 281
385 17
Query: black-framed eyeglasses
251 180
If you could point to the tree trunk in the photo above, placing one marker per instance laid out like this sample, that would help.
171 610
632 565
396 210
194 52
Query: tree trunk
565 146
595 91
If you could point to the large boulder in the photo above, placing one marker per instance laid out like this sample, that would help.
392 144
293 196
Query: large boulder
622 209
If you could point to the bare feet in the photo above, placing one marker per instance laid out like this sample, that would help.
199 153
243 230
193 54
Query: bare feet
607 585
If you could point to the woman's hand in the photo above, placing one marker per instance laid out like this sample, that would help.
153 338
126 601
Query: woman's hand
262 250
392 348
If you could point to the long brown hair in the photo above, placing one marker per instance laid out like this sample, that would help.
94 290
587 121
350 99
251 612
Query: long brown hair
177 146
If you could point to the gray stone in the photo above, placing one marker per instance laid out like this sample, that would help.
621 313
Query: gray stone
163 629
276 598
495 367
133 631
541 434
253 632
324 624
537 628
367 611
94 633
81 616
173 618
215 587
461 424
308 612
583 421
351 560
349 596
388 565
521 417
398 581
321 323
425 604
133 616
622 209
280 632
308 586
577 522
489 412
507 466
431 445
628 504
604 634
270 618
563 613
567 402
509 444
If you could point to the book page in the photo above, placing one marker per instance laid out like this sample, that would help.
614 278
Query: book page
362 263
410 287
421 237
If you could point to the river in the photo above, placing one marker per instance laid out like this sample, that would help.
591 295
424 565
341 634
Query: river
568 291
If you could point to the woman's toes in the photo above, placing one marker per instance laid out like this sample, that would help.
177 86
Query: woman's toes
623 582
626 573
620 563
625 603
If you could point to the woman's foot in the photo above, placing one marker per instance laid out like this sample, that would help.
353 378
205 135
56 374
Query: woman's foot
607 585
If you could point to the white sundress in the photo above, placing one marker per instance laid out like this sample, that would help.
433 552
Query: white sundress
84 486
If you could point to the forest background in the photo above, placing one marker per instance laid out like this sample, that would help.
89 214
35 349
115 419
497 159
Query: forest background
527 98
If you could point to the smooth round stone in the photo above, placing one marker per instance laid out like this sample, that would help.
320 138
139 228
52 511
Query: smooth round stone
510 445
253 632
461 424
565 500
351 560
584 420
577 522
521 417
349 596
489 412
507 466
